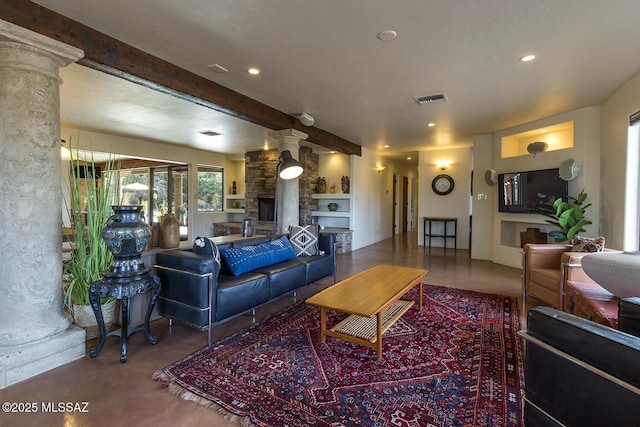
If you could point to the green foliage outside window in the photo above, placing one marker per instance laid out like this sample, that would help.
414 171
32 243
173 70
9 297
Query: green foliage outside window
210 188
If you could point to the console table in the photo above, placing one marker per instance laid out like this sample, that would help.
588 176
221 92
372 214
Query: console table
428 232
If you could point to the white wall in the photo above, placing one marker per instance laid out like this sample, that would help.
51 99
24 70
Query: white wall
615 122
373 196
483 209
586 151
454 205
333 167
200 222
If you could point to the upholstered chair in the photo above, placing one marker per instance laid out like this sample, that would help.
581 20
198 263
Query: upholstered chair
546 270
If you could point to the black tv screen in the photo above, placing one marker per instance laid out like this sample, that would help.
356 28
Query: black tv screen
531 191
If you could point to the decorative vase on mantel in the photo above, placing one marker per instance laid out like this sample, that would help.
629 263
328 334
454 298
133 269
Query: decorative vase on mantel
322 185
169 232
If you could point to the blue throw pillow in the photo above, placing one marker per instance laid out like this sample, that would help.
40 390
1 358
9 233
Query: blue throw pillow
247 258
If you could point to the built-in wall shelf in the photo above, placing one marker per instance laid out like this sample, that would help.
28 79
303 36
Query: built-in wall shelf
557 137
324 196
234 203
335 214
341 217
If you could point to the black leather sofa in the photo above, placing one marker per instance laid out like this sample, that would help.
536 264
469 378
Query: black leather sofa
580 373
193 282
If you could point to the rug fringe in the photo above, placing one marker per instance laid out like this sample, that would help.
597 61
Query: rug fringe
177 390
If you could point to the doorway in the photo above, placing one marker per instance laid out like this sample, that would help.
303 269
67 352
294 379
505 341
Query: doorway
400 210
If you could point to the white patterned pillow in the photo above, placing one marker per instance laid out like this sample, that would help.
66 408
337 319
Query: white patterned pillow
305 239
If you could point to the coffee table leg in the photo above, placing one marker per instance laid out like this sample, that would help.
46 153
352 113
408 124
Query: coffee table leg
323 324
420 296
379 339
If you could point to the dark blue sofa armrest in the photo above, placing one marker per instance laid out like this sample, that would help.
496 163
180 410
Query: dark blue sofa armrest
327 243
187 260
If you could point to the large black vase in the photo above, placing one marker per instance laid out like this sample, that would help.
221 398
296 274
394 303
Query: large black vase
126 234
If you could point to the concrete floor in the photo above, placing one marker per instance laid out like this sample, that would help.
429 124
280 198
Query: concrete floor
124 394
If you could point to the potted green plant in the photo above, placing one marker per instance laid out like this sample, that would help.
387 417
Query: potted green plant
88 207
568 217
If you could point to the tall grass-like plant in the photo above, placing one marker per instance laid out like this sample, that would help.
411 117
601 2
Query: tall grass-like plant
88 213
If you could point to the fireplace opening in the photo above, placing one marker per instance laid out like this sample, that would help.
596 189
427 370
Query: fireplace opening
265 208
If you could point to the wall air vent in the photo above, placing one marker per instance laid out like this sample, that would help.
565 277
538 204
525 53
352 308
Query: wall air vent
210 133
431 99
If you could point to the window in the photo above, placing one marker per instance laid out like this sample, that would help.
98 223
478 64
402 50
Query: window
632 197
210 186
159 188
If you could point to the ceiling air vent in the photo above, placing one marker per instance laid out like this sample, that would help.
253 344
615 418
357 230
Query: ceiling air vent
431 99
210 133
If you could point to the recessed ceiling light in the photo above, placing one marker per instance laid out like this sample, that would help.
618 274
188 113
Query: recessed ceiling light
431 124
386 146
253 71
387 35
528 58
408 158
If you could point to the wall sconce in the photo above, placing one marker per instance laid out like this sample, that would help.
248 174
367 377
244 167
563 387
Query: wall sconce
443 164
380 168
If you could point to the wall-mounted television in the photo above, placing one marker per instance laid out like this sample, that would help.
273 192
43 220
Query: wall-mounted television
530 191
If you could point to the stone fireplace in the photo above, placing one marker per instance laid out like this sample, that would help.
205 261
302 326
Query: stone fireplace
260 184
265 208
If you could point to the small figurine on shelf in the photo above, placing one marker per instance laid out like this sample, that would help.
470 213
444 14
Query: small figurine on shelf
234 188
332 189
345 184
322 185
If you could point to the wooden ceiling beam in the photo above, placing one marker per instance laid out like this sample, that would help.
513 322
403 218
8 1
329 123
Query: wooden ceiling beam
114 57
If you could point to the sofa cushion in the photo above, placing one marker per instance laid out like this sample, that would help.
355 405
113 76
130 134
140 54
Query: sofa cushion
588 244
304 239
284 277
248 258
237 294
317 267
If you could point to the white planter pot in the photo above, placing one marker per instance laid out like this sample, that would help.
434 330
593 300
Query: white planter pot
617 272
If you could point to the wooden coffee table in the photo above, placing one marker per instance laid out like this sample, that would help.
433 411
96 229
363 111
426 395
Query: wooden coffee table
372 298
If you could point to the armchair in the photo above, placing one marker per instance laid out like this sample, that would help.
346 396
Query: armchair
579 373
546 270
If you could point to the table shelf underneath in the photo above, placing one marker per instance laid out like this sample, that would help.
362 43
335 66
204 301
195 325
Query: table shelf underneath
366 328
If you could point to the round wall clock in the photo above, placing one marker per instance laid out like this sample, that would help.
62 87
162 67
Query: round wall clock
442 184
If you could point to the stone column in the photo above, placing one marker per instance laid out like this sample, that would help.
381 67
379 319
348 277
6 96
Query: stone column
288 196
35 334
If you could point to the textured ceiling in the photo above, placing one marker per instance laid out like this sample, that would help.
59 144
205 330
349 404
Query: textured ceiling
323 57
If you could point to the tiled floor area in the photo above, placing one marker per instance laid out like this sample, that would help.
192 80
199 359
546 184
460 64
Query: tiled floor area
124 394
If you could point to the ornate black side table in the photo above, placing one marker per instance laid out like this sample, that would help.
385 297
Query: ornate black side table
124 288
126 235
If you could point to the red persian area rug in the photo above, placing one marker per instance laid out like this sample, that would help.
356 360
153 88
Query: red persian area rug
458 362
